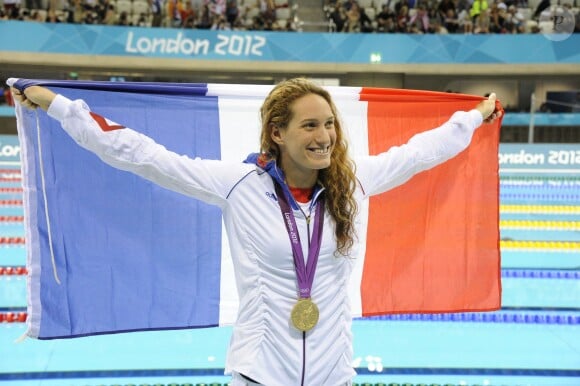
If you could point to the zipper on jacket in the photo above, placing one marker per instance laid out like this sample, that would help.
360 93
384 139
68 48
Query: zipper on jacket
303 357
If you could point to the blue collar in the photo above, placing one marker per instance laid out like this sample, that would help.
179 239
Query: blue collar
277 174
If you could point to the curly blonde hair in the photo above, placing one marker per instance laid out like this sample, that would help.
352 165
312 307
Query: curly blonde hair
338 179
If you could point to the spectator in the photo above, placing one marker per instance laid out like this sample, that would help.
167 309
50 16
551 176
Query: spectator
477 8
465 21
187 15
443 7
174 8
22 14
437 28
419 22
402 19
12 8
91 17
156 7
142 21
497 18
515 21
205 21
267 11
239 25
110 17
37 16
268 25
78 12
51 16
100 8
338 17
124 19
258 23
353 23
366 22
89 6
482 23
220 23
232 12
357 20
216 7
386 20
450 21
402 3
284 25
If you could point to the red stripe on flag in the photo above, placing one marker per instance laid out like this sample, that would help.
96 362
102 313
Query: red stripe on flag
104 124
432 243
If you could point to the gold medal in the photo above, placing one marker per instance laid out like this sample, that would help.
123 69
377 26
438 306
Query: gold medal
304 314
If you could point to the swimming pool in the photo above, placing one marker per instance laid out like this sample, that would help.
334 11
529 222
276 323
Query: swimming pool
533 340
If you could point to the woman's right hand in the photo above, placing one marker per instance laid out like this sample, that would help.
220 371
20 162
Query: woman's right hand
33 97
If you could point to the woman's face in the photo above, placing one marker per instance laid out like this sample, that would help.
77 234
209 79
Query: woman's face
307 143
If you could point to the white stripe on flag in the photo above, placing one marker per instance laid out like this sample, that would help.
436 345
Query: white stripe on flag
353 115
29 170
239 136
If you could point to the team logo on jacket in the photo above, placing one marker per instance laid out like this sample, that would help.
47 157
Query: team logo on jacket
105 124
272 196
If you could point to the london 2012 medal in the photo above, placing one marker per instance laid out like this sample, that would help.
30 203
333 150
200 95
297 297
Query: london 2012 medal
304 314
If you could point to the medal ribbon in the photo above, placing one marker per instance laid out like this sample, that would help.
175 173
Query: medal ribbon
304 274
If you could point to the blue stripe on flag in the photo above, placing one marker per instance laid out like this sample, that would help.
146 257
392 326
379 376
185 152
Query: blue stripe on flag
157 251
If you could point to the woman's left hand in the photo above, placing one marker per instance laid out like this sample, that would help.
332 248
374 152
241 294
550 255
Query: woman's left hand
488 109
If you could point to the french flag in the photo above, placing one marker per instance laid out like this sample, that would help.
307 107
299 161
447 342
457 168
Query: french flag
109 252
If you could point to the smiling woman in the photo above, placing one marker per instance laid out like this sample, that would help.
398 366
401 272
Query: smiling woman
307 141
292 251
301 132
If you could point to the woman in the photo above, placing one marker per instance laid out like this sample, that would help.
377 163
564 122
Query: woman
298 197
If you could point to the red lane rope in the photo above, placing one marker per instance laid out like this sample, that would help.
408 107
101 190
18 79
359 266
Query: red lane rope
11 219
11 241
13 317
13 271
10 190
11 202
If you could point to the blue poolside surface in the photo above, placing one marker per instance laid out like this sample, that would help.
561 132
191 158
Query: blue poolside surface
437 351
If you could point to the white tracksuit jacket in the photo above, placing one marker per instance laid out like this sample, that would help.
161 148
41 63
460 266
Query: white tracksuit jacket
264 345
